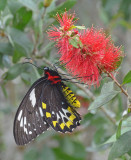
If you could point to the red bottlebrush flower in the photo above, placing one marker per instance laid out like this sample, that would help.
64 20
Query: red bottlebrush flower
87 54
66 25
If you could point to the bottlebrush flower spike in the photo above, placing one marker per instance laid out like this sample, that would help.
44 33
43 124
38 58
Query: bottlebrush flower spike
87 54
66 25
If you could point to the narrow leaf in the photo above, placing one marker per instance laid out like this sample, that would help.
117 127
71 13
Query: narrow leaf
121 146
80 27
103 99
2 4
118 132
127 78
13 72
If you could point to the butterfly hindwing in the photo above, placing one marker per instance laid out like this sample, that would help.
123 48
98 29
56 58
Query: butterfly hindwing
58 112
29 120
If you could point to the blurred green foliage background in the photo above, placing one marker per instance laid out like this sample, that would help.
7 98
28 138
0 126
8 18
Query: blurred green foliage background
23 26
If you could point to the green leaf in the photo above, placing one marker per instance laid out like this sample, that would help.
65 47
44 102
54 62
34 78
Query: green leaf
13 72
14 6
4 91
74 42
118 132
21 18
31 154
6 48
80 27
18 53
61 8
47 153
20 38
107 87
127 78
2 4
29 4
121 146
103 99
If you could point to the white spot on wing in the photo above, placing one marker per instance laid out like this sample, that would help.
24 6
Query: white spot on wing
21 122
53 112
19 116
58 117
30 132
41 113
25 129
32 97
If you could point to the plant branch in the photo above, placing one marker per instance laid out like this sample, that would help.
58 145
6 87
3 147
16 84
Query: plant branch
87 91
118 84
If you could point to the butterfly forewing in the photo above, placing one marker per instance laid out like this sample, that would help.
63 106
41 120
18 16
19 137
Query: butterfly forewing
29 120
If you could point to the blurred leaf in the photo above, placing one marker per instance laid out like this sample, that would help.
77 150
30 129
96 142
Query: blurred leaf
18 53
14 6
87 119
61 155
127 78
6 60
31 154
26 78
29 4
121 146
113 137
6 48
20 38
103 99
99 136
104 16
2 4
47 153
125 24
13 72
21 18
61 8
4 91
118 132
107 87
80 27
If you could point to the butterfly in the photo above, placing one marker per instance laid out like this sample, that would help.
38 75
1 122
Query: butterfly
48 103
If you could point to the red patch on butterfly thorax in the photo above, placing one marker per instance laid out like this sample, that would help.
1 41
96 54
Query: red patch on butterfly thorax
53 78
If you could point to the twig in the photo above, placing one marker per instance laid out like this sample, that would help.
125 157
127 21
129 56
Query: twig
118 84
87 91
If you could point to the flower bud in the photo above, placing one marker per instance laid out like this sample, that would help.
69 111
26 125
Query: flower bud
47 3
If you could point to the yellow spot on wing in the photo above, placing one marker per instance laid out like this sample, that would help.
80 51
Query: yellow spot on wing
68 124
72 117
48 114
43 105
54 123
62 125
69 109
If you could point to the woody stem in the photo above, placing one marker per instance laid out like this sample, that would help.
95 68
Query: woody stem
118 84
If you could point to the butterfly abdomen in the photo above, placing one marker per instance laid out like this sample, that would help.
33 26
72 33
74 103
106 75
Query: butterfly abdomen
70 97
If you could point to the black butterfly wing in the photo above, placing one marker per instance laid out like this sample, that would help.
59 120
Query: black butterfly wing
58 112
29 120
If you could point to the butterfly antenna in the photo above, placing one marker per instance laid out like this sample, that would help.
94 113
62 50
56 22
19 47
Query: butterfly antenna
31 62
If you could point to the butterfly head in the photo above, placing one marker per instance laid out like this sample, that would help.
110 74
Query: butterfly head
46 68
